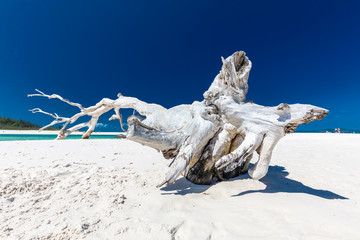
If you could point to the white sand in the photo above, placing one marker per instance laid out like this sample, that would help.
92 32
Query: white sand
105 189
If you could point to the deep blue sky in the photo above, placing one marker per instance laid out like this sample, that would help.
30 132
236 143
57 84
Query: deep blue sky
168 52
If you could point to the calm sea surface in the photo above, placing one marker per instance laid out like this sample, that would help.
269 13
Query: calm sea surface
18 137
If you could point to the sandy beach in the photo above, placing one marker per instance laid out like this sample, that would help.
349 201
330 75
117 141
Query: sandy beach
105 189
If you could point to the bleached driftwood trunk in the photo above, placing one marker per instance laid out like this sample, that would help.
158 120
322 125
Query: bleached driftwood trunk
212 138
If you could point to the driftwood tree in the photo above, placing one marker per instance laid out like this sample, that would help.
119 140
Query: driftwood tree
212 138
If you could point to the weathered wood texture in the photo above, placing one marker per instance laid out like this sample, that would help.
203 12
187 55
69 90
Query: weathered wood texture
212 138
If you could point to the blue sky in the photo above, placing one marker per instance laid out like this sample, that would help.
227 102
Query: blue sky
168 52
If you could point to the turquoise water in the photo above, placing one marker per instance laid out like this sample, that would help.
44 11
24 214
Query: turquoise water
18 137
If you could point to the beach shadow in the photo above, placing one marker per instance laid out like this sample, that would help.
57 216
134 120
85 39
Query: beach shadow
182 187
276 182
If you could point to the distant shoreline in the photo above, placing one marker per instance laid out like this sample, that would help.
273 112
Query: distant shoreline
55 132
47 132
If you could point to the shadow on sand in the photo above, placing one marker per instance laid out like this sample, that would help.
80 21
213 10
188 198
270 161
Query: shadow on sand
182 187
275 181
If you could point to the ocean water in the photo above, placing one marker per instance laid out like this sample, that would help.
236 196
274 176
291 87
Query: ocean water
20 137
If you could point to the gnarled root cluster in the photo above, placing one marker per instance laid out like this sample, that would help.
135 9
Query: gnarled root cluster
212 138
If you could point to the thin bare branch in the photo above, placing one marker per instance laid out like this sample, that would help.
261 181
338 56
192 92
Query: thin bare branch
117 115
57 120
41 94
38 110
